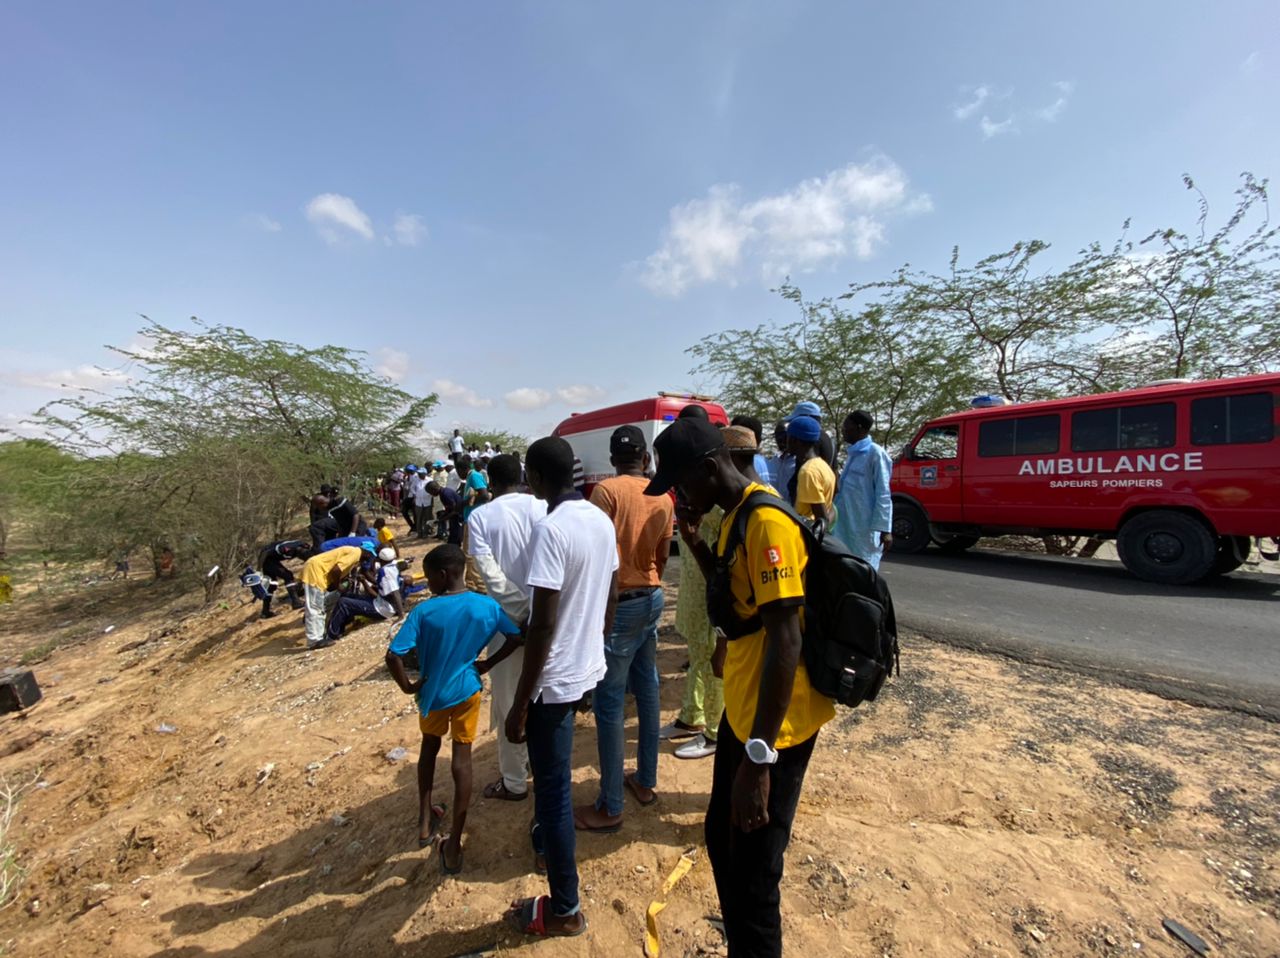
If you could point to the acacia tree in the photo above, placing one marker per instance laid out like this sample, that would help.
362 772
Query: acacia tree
839 358
212 445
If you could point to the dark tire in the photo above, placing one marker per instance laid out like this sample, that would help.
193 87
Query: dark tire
1232 551
1167 547
910 528
954 545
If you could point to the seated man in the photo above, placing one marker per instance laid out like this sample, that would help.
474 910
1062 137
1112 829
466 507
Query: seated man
383 602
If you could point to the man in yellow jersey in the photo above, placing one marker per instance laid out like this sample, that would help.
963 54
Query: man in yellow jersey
772 714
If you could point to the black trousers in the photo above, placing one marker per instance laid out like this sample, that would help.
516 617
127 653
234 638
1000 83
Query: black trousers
748 865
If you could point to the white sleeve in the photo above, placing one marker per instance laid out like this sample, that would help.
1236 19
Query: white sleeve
477 544
546 550
513 600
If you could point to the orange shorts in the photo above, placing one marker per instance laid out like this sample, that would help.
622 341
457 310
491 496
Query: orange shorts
461 721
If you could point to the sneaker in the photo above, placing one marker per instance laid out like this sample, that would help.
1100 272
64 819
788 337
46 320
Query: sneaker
697 747
675 730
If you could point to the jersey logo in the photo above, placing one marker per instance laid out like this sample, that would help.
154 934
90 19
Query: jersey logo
773 555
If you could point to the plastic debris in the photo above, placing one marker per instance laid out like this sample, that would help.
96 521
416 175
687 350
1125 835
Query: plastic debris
164 728
108 630
264 773
1188 938
213 572
398 754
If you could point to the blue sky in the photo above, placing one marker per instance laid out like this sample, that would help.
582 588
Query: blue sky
532 208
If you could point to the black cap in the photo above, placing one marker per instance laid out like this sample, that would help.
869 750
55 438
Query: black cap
627 441
683 444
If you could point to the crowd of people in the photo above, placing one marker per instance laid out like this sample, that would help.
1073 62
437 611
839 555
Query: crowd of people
565 593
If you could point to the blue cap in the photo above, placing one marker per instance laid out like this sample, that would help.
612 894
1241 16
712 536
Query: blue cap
410 468
805 409
804 428
369 547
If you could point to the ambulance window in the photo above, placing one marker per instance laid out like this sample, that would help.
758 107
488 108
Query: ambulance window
1233 419
1123 427
1027 436
940 442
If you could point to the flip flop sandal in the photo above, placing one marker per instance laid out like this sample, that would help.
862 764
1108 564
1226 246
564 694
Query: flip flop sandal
499 790
529 917
634 788
597 829
433 831
444 864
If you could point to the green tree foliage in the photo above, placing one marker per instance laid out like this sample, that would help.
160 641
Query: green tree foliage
211 448
1202 304
508 441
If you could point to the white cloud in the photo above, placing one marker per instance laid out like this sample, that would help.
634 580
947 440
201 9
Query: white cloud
81 379
580 395
1251 63
979 95
1051 112
991 128
819 221
409 229
459 394
392 363
527 398
265 223
336 216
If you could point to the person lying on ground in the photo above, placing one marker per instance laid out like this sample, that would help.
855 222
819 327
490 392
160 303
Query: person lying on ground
449 633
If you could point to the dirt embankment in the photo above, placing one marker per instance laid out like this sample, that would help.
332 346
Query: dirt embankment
982 807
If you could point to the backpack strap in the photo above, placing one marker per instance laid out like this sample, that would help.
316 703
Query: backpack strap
738 535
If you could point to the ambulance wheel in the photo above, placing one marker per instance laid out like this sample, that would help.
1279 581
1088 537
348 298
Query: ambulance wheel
1167 547
1232 551
910 528
953 545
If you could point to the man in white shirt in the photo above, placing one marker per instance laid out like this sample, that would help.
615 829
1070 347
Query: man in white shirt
456 446
421 503
573 578
498 535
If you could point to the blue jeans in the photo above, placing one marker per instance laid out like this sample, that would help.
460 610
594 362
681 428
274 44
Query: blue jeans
549 734
631 651
348 608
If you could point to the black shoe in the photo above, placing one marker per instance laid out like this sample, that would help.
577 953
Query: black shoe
267 615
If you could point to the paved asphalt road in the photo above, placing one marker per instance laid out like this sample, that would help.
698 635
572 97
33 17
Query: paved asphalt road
1216 643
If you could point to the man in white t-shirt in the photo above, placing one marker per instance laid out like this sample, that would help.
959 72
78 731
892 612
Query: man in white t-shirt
421 503
456 447
573 578
498 535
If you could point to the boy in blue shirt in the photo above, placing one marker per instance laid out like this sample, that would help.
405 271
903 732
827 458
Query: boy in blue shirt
449 632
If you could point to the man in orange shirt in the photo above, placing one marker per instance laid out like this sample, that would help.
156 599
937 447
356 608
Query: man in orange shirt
644 526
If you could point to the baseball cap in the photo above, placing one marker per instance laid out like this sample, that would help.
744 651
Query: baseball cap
681 445
739 437
387 555
627 441
410 468
805 409
369 548
804 428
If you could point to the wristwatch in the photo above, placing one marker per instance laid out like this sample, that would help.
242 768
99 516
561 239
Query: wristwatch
761 752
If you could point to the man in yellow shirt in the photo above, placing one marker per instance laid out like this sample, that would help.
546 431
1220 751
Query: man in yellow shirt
772 714
814 483
320 577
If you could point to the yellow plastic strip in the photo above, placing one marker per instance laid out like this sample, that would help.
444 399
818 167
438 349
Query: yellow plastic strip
651 944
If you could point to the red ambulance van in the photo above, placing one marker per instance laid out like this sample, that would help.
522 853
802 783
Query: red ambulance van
1181 475
588 432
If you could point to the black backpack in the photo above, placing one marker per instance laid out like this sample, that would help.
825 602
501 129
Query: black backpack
850 633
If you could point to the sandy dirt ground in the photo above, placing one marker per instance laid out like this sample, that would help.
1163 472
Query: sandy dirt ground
980 807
